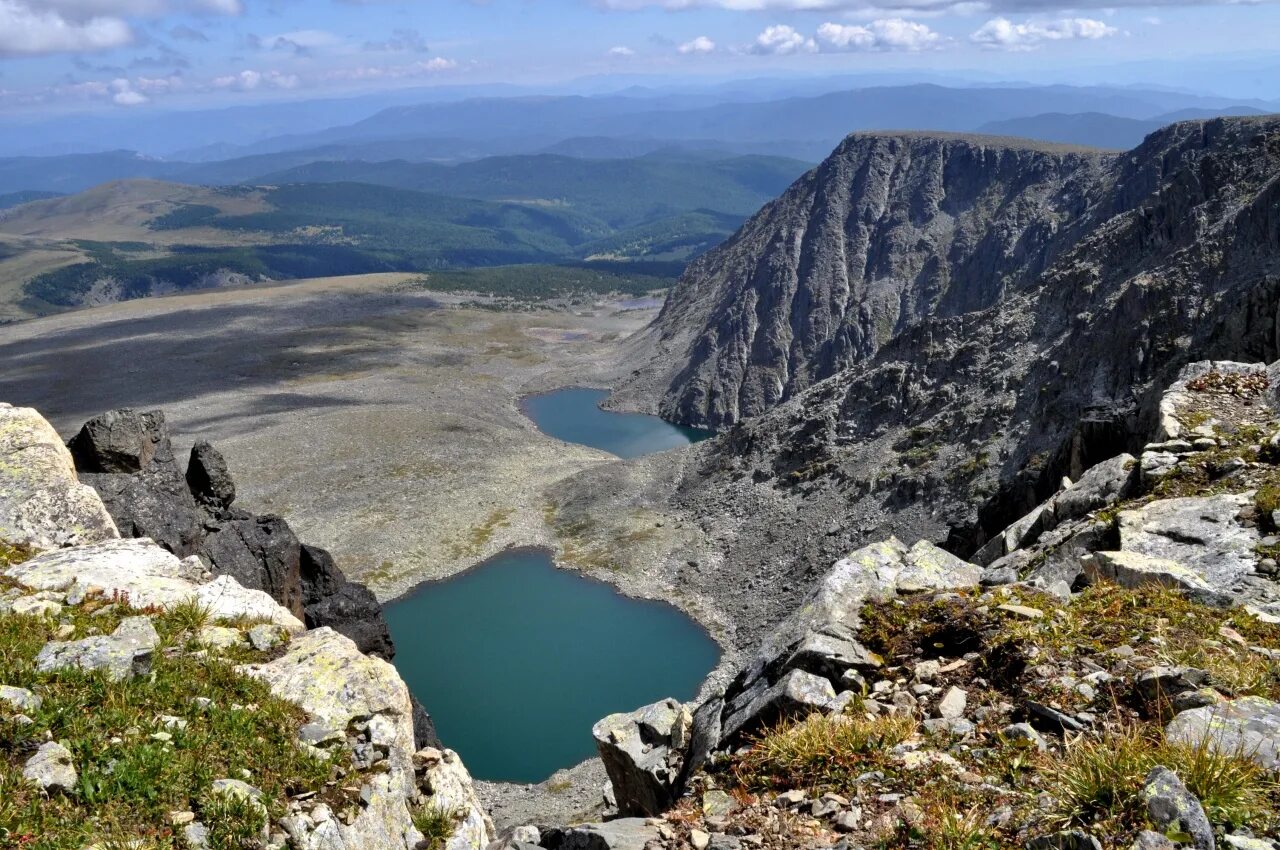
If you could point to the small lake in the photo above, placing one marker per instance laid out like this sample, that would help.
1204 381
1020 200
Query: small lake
574 415
516 660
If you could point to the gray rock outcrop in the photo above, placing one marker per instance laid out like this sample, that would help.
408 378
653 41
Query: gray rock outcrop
123 654
1249 727
127 457
42 504
643 753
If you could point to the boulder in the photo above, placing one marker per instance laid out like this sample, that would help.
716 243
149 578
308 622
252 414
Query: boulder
1133 569
354 611
120 441
643 753
137 570
52 769
1172 808
796 694
125 653
1249 726
337 685
42 504
209 478
127 457
20 699
620 834
1101 486
1200 533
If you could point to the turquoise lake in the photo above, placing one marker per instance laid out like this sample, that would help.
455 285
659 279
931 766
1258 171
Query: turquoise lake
574 415
516 659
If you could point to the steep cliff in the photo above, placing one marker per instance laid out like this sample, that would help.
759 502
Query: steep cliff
890 229
1001 369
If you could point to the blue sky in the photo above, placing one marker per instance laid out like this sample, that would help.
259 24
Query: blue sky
72 55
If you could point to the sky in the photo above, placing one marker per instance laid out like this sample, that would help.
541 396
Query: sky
62 56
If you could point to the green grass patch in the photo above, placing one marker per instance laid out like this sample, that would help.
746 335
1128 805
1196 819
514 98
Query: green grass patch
134 768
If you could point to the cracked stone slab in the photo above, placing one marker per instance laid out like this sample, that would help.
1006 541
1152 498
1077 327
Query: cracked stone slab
1200 533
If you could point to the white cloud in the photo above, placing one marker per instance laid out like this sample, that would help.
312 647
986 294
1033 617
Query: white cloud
701 44
27 30
621 50
911 8
886 34
439 63
781 40
249 80
1003 34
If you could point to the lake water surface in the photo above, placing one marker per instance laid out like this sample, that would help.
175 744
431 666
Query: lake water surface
516 660
574 415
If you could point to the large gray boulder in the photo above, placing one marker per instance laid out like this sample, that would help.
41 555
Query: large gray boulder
125 653
42 504
1101 486
1202 534
643 753
1249 727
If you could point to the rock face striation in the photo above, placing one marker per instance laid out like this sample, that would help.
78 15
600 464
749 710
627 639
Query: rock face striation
925 334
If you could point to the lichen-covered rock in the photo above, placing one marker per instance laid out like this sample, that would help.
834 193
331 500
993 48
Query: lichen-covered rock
643 752
20 699
327 675
445 780
42 504
1133 569
224 597
125 653
52 768
1200 533
145 575
1172 808
1249 726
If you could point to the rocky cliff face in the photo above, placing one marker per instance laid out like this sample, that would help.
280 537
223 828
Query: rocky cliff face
889 230
1070 291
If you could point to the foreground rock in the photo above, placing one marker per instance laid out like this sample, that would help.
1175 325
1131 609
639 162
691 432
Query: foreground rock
122 655
42 505
809 663
127 456
643 753
1249 726
52 769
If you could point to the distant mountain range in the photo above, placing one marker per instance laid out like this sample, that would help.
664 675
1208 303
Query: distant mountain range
249 142
1098 129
